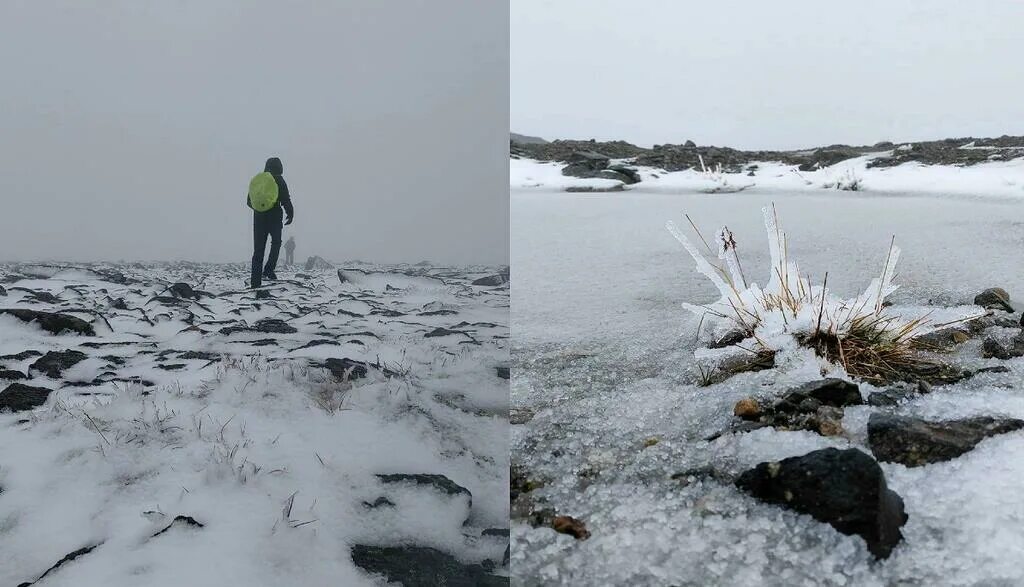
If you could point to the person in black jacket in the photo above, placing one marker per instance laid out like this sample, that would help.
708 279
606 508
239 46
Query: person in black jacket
268 223
289 251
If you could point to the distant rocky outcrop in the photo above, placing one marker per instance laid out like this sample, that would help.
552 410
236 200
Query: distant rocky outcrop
962 152
688 155
519 139
590 164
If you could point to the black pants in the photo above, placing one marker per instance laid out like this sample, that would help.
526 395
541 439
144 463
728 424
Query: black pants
265 224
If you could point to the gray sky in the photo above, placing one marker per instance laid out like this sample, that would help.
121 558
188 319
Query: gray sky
131 130
784 74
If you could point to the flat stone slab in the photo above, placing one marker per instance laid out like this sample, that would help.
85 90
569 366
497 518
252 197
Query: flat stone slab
18 397
915 442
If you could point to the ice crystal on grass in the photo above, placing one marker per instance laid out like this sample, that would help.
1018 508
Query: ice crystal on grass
790 313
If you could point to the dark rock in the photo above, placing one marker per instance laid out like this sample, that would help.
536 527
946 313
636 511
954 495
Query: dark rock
169 301
437 482
915 442
318 342
629 174
741 363
586 164
3 292
993 349
172 366
67 558
492 280
18 397
266 326
994 298
503 372
738 427
199 355
733 337
380 502
21 356
419 566
183 290
613 175
497 532
892 395
440 331
346 369
273 325
816 406
460 497
181 521
52 322
844 488
690 144
827 157
44 297
830 392
11 375
945 338
54 363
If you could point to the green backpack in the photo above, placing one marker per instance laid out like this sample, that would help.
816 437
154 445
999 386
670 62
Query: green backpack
262 192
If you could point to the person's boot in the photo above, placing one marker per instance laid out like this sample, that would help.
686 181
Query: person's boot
270 275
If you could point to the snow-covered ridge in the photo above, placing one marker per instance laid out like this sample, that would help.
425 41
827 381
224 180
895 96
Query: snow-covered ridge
996 178
192 434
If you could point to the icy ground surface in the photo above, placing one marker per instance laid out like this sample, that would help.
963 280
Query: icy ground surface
603 356
247 434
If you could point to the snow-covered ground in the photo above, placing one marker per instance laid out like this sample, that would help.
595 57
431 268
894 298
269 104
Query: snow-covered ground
603 359
234 413
995 179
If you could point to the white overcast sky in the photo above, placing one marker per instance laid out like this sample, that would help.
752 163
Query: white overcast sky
129 129
752 74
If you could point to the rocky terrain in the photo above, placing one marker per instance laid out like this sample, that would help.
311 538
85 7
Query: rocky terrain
962 151
842 485
638 461
161 425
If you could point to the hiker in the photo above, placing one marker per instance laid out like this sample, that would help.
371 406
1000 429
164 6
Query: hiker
268 196
289 251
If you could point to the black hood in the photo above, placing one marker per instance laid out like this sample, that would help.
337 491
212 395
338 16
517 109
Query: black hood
274 166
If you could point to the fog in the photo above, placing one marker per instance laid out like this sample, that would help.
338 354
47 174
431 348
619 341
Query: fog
130 130
788 74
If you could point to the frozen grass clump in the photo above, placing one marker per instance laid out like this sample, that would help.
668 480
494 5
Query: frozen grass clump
791 315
